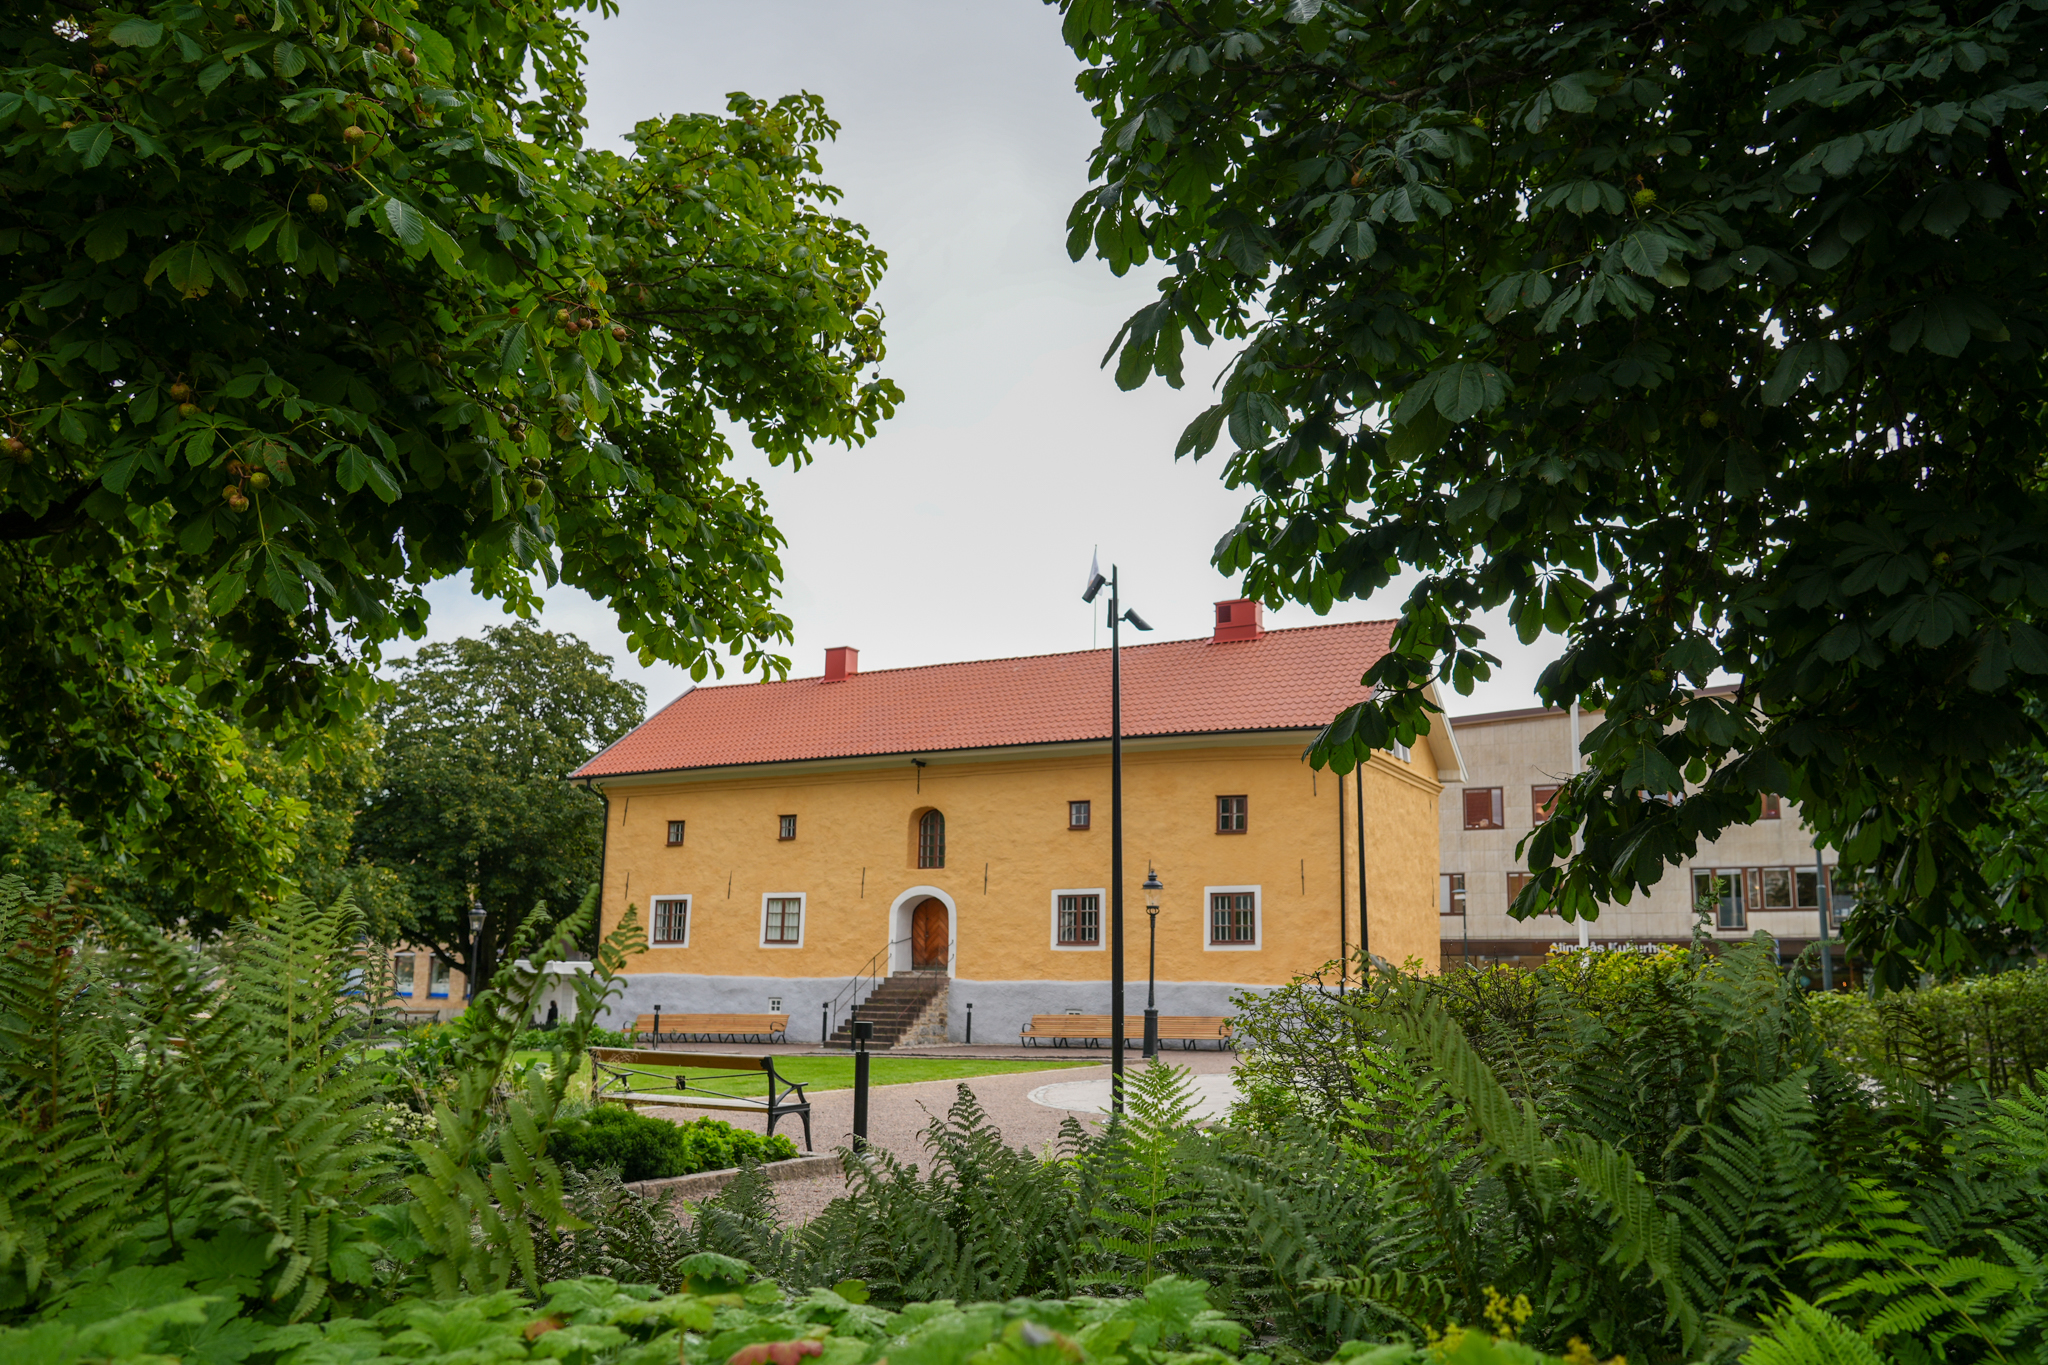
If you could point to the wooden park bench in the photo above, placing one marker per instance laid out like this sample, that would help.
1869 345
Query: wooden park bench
619 1075
1060 1030
711 1028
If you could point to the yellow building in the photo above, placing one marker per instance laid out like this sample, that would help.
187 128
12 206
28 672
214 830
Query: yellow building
780 839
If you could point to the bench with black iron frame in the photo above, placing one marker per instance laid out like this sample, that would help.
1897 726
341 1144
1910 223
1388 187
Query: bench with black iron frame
615 1069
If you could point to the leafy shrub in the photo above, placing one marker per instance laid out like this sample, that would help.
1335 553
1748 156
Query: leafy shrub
1991 1031
541 1039
642 1147
593 1319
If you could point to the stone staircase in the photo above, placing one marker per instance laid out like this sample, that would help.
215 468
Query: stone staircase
909 1007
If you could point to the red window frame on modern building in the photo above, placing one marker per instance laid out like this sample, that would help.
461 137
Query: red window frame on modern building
1771 809
1483 808
1451 895
1542 800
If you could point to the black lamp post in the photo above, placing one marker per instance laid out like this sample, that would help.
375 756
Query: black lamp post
1153 886
1117 616
476 947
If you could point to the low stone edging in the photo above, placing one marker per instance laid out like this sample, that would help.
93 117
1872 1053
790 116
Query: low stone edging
704 1184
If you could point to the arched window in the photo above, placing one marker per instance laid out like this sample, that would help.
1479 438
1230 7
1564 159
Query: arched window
931 840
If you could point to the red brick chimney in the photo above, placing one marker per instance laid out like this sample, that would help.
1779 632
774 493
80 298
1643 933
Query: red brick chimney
1238 619
841 663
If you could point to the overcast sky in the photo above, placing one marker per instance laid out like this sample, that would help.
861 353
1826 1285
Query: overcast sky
964 529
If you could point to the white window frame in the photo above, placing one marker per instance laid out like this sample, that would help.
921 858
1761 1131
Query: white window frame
803 917
1258 919
1101 895
447 980
688 906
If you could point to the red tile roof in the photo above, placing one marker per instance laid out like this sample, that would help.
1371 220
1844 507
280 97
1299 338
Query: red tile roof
1285 680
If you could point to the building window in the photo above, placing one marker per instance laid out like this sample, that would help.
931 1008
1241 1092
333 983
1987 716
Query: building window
1079 921
782 919
1230 814
1483 808
670 926
1400 751
1542 800
402 970
1451 895
931 839
1771 809
1077 815
437 979
1233 919
786 827
1518 880
675 834
1805 890
1720 892
1777 888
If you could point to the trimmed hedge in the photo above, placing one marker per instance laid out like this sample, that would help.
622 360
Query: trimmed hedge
641 1147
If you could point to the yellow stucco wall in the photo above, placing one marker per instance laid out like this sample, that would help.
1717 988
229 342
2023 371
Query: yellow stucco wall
1008 851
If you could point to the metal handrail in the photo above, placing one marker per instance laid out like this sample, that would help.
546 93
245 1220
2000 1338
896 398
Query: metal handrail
868 976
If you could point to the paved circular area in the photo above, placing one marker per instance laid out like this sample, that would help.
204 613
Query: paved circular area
1213 1096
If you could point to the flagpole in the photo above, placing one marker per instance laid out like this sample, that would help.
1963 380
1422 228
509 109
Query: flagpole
1116 848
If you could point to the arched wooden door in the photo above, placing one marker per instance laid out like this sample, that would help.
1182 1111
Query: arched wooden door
928 936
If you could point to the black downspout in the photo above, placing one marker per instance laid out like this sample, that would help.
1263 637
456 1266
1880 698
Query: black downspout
1364 929
1343 897
604 848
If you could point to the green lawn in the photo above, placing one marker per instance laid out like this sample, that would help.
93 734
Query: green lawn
836 1073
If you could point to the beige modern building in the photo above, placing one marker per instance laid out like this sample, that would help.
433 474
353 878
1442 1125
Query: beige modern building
1762 876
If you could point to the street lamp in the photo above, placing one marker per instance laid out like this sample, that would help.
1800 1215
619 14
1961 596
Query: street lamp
1153 886
1117 616
476 946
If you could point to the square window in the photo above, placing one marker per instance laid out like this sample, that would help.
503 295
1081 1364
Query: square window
1771 809
1518 880
1720 893
1451 894
786 828
1483 808
1077 815
675 834
783 922
1230 814
775 1004
1542 800
402 970
1233 919
670 925
437 979
1777 888
1080 921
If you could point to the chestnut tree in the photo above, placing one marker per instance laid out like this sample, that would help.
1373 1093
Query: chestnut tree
310 303
1706 334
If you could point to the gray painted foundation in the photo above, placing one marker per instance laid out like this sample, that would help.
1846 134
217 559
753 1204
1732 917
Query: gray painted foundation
1001 1008
678 993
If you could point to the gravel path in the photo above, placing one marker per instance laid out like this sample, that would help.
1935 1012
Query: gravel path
898 1114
